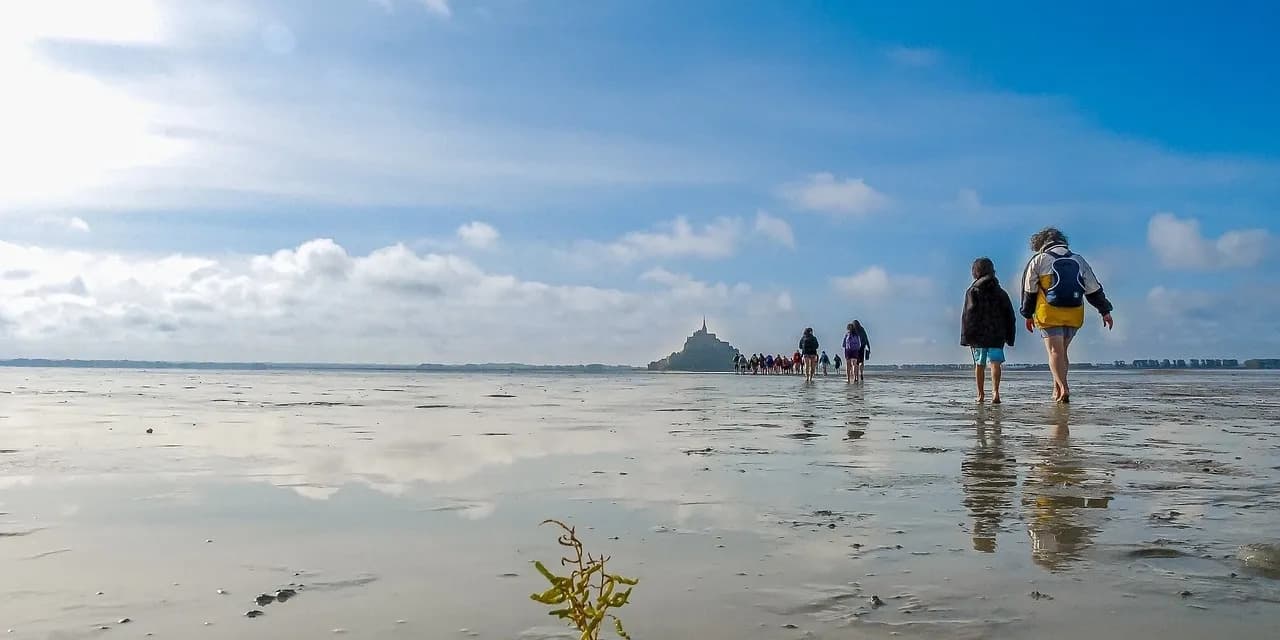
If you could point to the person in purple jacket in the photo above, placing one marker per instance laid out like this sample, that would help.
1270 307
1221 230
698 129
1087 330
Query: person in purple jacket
857 348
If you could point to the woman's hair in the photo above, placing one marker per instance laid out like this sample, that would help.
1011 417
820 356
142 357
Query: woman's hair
856 325
1046 237
983 267
808 331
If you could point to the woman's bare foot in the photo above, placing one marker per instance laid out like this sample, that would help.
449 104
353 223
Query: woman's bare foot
995 400
981 399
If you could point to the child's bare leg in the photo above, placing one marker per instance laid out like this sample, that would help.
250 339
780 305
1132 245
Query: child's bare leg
995 382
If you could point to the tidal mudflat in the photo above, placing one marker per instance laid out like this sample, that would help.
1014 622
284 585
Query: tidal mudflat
407 506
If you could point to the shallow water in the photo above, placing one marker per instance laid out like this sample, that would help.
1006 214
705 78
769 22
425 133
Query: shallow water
750 507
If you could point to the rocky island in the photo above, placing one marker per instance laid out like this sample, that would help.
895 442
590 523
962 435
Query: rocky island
702 351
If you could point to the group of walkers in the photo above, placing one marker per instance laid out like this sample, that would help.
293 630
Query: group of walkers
1055 286
809 356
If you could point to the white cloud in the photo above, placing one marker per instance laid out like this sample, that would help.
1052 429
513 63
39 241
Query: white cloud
212 132
73 223
440 7
716 239
784 302
478 234
318 302
825 193
1179 303
969 200
685 287
775 228
875 282
1179 245
914 56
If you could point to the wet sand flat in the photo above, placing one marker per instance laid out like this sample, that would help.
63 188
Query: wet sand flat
407 506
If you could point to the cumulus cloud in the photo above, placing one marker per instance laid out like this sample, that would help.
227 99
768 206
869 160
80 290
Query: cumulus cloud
686 287
73 223
1179 244
775 228
440 7
875 282
678 238
478 235
1174 303
825 193
318 302
914 56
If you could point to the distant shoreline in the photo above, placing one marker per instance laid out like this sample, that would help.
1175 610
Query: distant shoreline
40 363
34 363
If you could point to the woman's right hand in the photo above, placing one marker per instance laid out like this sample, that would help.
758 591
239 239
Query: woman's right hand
1031 325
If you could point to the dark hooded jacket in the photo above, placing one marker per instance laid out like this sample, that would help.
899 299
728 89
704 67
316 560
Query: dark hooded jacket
987 320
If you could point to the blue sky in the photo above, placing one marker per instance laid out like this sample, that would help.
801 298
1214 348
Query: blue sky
443 180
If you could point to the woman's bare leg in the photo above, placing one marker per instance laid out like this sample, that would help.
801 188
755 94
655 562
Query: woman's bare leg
1057 349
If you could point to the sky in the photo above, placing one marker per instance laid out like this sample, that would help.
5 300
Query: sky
406 181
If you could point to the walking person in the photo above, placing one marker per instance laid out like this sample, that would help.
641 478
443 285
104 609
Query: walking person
852 351
837 363
987 324
809 350
825 361
1055 286
857 348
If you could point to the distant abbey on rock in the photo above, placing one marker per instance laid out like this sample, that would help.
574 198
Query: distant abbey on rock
702 351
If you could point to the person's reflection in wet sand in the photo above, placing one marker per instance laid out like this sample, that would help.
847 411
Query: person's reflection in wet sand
1059 495
988 477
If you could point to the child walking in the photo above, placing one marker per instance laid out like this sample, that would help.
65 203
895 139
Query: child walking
987 324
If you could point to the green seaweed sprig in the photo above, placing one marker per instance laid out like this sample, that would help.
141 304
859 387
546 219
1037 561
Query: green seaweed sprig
585 597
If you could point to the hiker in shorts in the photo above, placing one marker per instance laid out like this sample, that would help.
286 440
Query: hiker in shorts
987 324
1055 286
857 348
809 352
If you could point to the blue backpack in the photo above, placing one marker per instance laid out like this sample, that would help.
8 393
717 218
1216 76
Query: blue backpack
1066 287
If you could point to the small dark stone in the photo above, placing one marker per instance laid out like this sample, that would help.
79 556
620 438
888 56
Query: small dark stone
253 614
1036 595
149 430
123 621
831 526
1186 594
265 599
789 626
283 595
877 602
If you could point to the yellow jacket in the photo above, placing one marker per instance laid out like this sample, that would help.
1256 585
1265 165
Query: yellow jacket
1039 276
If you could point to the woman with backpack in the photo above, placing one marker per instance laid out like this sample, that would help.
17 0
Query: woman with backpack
1055 286
857 348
